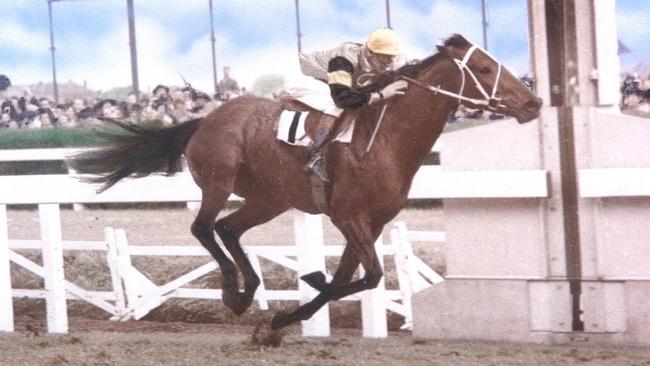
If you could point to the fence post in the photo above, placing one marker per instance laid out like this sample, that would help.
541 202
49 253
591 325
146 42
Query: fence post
262 301
373 303
311 257
112 262
6 301
193 206
401 268
50 223
124 268
72 171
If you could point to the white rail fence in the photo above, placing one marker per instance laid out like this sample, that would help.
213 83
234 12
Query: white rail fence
134 295
55 154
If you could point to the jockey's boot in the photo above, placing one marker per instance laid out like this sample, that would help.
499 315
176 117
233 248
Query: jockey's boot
318 149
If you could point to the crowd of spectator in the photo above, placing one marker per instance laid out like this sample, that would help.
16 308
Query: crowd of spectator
170 105
635 93
173 105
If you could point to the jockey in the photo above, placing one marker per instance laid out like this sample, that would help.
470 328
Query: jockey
349 71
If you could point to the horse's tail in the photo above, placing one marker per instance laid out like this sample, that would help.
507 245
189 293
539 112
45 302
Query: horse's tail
137 151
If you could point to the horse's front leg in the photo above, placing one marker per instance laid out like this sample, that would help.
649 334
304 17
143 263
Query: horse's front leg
360 247
347 266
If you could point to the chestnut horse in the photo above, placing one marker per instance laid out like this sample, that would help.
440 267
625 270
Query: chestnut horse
234 150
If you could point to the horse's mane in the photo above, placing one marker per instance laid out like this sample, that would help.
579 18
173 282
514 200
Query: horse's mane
413 69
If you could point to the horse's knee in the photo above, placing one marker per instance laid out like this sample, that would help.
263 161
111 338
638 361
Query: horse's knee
200 230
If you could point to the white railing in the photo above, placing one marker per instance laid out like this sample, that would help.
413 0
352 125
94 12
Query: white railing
429 182
615 182
57 154
140 296
133 295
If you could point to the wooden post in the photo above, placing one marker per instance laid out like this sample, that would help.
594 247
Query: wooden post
124 268
112 260
262 300
50 222
6 302
72 171
397 237
311 258
373 303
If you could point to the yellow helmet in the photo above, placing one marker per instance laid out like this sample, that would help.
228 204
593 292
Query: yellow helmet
383 41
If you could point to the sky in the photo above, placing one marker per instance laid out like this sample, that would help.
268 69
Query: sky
253 37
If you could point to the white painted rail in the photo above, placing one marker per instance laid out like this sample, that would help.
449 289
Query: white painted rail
429 182
134 295
39 154
615 182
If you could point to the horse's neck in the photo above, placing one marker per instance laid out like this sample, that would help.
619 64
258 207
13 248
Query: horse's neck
416 121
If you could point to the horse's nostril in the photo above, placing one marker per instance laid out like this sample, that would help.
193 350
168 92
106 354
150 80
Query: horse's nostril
533 103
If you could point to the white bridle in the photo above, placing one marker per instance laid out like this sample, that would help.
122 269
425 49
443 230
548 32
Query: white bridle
490 101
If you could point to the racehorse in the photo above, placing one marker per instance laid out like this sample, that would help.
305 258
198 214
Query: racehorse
234 150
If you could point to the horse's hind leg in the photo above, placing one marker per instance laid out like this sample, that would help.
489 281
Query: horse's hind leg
231 228
202 229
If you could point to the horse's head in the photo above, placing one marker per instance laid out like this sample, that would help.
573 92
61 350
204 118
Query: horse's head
486 84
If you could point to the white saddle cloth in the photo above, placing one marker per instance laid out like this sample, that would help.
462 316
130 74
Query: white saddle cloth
296 135
290 133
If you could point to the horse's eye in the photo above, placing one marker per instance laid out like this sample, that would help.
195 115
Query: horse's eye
484 70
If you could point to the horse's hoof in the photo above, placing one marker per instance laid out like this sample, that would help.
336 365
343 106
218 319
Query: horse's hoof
231 300
264 335
237 301
315 280
280 320
238 310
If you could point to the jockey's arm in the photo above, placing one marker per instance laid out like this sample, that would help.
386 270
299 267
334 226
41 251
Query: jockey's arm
339 79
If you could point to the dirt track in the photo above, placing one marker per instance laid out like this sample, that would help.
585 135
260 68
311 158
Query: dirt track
93 341
144 343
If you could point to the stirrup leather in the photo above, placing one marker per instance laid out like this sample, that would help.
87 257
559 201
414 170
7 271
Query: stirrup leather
316 165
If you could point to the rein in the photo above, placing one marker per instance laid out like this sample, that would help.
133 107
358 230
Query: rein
490 102
374 133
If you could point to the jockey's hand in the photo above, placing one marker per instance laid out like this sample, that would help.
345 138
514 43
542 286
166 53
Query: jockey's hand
395 88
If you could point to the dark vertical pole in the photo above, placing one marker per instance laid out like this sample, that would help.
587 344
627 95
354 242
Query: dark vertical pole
388 14
485 23
213 41
55 86
298 34
561 34
134 53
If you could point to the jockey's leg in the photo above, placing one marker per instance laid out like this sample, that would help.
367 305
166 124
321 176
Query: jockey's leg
318 148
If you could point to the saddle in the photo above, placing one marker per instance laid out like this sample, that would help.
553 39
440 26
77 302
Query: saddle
298 121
